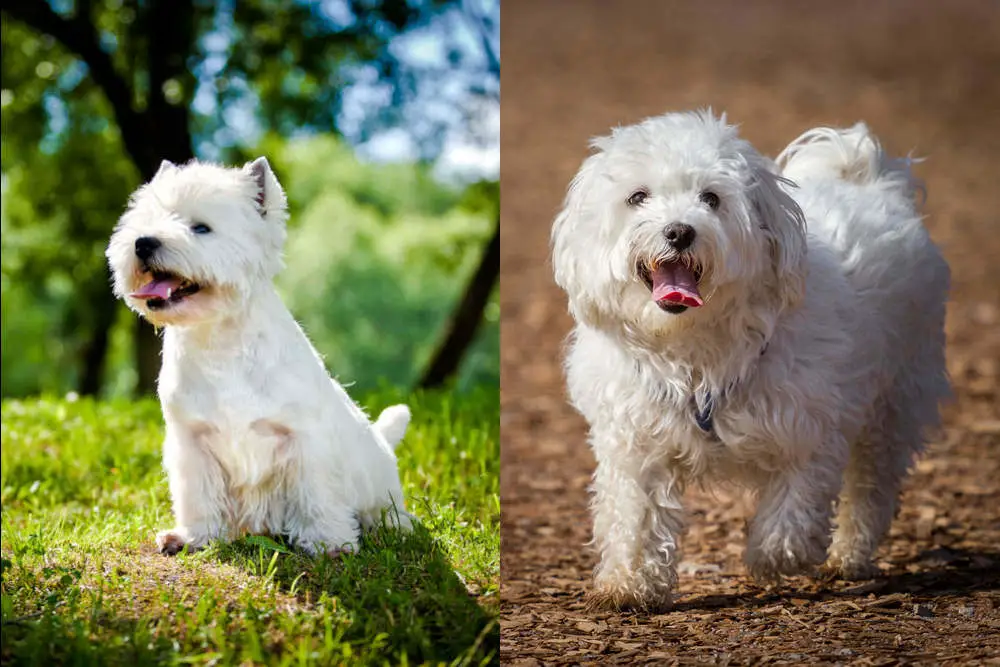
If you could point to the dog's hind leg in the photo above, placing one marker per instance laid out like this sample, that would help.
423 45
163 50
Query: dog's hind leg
868 502
320 517
332 529
896 433
391 514
867 505
879 463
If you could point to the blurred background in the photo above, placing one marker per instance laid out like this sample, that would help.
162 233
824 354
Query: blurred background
380 117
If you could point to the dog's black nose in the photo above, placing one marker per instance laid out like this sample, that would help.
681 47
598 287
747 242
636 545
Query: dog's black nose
145 246
679 235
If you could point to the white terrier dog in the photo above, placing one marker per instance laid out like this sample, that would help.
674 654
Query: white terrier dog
259 439
727 331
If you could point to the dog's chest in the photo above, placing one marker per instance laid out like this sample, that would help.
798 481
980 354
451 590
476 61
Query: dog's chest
255 454
712 427
239 426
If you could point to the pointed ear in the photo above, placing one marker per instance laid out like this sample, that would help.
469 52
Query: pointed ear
165 167
781 219
260 169
268 194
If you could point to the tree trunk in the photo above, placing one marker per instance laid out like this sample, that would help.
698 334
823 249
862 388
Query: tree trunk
95 351
171 34
147 356
161 131
467 317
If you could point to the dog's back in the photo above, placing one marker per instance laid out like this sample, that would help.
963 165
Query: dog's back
864 204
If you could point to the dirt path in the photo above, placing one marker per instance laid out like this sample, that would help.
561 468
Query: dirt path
924 79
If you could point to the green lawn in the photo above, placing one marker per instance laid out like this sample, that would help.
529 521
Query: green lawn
84 494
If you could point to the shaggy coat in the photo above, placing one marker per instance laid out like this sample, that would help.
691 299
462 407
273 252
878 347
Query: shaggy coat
805 364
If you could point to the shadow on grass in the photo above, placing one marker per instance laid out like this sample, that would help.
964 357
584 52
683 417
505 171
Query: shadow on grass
399 594
396 601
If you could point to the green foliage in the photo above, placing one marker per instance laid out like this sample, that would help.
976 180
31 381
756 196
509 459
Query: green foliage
95 94
83 494
291 59
58 207
377 257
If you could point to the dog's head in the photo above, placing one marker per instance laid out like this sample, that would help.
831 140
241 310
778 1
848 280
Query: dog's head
198 240
672 220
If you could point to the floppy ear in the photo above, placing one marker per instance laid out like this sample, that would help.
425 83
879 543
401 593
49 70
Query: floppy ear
566 248
584 267
781 219
269 196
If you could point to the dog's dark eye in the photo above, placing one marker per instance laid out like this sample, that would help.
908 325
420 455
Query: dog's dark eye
200 228
637 198
710 199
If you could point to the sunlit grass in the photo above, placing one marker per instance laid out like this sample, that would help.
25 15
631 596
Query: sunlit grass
83 493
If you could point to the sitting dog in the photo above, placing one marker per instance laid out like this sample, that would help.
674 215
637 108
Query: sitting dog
778 326
259 438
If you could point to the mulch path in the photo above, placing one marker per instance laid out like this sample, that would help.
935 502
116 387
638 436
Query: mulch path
923 75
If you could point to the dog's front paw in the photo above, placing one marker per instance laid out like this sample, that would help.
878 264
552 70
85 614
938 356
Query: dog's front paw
851 569
343 550
784 551
172 542
622 591
602 599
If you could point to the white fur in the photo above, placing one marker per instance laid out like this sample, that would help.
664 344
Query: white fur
821 340
259 438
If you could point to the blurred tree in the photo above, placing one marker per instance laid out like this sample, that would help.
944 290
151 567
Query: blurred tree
468 316
379 259
65 178
178 77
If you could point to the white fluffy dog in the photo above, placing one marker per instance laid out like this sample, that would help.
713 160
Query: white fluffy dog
778 329
259 439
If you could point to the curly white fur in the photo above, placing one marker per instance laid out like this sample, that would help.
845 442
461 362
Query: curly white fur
259 438
819 344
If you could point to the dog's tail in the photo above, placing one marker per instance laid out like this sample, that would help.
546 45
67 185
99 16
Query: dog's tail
392 423
852 154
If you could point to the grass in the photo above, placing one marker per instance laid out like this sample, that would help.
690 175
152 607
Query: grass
83 494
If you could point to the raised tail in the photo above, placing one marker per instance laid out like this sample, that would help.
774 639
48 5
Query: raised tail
392 423
853 155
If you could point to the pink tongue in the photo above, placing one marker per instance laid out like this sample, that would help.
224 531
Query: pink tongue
157 289
674 283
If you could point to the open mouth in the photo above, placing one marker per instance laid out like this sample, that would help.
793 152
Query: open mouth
165 289
673 282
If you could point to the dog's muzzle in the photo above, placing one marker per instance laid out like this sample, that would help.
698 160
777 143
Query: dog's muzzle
145 246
